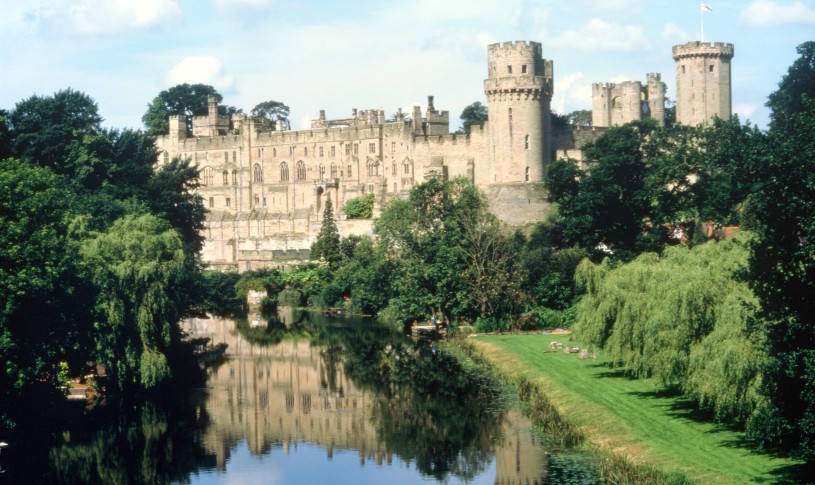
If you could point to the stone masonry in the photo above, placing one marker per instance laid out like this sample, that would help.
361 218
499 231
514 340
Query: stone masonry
265 189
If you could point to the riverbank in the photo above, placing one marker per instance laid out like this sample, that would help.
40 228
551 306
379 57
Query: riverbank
634 419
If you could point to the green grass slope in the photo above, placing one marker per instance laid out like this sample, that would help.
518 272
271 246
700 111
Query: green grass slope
637 419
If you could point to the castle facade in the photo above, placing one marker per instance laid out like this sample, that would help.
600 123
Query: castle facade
703 90
265 189
265 186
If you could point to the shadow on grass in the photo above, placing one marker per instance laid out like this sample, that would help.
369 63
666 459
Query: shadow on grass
676 405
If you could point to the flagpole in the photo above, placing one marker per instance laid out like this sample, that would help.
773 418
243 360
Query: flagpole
702 20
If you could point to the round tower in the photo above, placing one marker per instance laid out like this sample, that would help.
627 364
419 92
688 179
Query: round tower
519 95
703 88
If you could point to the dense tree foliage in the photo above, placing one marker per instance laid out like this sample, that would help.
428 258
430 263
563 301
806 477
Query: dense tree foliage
44 129
782 263
327 246
271 111
359 207
684 318
185 100
137 266
473 115
99 251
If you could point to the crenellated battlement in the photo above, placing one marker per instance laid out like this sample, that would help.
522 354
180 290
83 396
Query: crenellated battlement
703 49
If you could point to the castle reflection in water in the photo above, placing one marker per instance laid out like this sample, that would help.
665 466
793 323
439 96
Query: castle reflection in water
279 395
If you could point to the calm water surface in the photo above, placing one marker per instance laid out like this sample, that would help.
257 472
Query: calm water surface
301 398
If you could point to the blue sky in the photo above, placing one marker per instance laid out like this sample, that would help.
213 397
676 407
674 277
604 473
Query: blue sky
367 54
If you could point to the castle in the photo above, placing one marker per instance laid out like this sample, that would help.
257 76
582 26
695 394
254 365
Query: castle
703 90
265 188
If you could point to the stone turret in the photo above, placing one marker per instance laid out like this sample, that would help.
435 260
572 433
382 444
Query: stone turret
656 97
703 82
519 95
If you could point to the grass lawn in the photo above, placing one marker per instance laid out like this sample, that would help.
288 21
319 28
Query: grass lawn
636 418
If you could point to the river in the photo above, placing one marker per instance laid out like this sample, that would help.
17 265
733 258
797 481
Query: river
304 398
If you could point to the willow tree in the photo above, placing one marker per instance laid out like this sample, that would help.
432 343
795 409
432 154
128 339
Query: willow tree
136 265
685 318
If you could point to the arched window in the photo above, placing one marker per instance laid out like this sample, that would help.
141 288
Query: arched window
301 170
322 171
207 176
226 177
333 170
284 172
407 169
234 176
258 173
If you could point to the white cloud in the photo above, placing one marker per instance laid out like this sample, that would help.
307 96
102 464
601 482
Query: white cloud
571 93
768 13
673 33
108 17
744 110
204 70
599 35
461 43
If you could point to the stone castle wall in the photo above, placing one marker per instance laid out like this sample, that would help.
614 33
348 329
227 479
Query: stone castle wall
703 82
265 188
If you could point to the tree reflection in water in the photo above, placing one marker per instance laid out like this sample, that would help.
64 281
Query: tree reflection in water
295 378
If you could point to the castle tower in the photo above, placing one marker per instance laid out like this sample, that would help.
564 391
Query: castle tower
702 82
656 97
519 95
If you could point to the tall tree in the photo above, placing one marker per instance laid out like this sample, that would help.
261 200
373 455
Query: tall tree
137 266
44 128
580 117
37 260
272 111
327 245
186 100
474 114
782 265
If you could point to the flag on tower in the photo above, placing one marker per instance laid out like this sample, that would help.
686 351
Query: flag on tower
707 8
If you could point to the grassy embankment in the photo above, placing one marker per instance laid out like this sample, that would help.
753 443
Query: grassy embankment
632 418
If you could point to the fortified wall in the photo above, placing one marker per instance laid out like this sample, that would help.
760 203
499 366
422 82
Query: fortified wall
265 187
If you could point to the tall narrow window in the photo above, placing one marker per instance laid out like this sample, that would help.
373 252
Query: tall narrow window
333 170
284 172
234 177
333 151
258 173
710 68
321 171
526 142
393 146
274 151
305 151
349 172
212 202
407 169
226 177
526 175
228 202
509 69
509 115
257 200
301 170
234 157
166 157
394 169
321 151
523 69
207 176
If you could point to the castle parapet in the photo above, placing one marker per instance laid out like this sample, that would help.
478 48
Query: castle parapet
703 49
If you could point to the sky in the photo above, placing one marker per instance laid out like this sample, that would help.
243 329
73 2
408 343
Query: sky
375 54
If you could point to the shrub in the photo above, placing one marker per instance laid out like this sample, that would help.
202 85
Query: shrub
359 207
